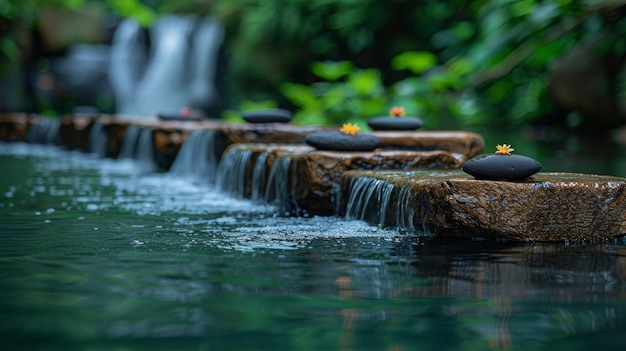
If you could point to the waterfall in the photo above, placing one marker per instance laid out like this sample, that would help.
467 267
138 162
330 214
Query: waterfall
129 144
277 185
180 68
98 140
139 146
405 212
369 200
231 171
43 131
196 158
258 177
144 154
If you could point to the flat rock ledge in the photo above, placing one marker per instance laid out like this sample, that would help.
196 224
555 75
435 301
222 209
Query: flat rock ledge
74 133
311 177
548 207
456 141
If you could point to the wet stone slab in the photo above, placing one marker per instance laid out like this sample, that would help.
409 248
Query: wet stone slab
317 173
460 142
305 181
547 207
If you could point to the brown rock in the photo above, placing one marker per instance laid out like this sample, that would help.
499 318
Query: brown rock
74 131
460 142
278 133
550 207
13 126
240 179
318 172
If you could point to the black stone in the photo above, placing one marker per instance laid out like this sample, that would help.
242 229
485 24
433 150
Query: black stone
267 116
501 167
337 141
395 123
178 117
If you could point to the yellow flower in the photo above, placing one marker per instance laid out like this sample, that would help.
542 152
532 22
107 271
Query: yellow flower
397 111
350 129
504 149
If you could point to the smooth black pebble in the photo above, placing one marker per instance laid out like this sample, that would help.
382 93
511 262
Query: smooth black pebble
395 123
501 167
267 116
338 141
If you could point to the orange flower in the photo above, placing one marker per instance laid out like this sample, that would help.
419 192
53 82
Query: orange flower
350 129
504 149
397 111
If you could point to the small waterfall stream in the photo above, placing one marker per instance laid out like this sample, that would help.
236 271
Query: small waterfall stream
369 197
405 212
129 144
196 158
98 140
259 178
277 186
43 131
231 172
138 146
145 152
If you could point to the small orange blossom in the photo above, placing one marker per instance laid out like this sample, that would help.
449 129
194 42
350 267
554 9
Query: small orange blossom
349 129
397 111
504 149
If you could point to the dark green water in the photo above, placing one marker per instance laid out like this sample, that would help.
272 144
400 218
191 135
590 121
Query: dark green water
95 257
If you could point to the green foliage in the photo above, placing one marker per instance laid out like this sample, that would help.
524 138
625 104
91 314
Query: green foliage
356 95
449 62
415 61
134 9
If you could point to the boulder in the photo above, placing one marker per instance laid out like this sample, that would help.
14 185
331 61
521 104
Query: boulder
550 207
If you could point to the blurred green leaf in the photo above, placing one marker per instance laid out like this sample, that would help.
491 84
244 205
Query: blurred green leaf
522 7
415 61
332 70
301 95
365 82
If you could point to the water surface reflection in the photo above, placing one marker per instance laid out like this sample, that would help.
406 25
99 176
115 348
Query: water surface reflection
95 257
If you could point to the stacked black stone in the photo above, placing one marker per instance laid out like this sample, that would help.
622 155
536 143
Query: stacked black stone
267 116
501 167
179 117
337 141
395 123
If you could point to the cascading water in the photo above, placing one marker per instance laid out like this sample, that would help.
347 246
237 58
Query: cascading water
259 178
145 152
405 212
231 172
138 146
43 131
196 158
369 200
277 186
180 70
129 144
98 140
